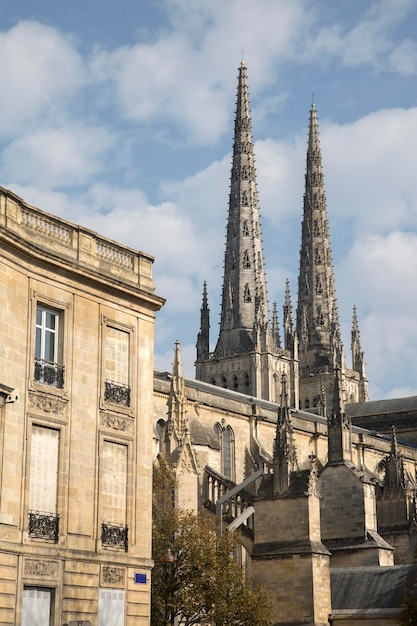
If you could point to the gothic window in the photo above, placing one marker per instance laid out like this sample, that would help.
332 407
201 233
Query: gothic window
244 172
320 319
233 261
246 377
224 382
245 229
318 257
307 286
227 450
48 347
235 383
246 294
259 261
319 286
245 199
256 229
307 403
246 260
316 228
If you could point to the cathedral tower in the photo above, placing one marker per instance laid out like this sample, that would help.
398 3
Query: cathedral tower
247 357
318 329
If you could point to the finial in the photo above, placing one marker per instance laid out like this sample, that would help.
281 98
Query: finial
242 62
313 106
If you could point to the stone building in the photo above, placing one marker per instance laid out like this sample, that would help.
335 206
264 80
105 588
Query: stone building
76 367
270 435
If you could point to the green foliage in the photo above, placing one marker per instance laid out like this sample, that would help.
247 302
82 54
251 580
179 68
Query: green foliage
205 585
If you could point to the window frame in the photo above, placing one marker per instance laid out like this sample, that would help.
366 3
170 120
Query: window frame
107 324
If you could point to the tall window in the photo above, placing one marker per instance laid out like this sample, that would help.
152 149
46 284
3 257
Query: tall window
111 607
48 367
116 367
43 486
114 495
227 446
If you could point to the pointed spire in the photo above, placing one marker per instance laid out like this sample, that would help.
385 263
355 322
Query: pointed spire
358 359
317 319
288 319
285 454
177 403
275 325
394 479
339 426
244 299
203 339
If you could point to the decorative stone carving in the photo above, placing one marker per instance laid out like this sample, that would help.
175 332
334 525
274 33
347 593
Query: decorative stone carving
113 575
41 568
115 422
46 403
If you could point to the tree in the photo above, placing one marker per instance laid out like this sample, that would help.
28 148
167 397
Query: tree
204 584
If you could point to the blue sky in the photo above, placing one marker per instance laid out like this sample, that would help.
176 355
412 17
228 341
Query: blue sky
118 115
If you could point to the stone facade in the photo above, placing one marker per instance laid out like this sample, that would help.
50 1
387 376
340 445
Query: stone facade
77 320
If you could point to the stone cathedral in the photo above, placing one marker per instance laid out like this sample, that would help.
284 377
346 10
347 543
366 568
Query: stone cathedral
279 437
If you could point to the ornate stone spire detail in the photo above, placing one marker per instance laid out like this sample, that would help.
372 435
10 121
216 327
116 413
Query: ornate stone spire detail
275 325
288 319
339 426
203 339
177 404
285 454
393 464
317 320
358 359
244 297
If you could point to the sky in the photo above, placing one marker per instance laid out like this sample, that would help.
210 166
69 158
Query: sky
118 115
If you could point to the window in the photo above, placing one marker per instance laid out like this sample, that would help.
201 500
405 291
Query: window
114 496
43 485
48 349
36 607
116 367
111 607
227 440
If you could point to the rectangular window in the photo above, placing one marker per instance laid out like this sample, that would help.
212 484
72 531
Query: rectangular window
43 485
116 367
36 607
114 495
111 607
48 348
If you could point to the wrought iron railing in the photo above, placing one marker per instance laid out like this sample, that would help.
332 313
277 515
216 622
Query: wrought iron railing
114 536
117 393
48 373
44 526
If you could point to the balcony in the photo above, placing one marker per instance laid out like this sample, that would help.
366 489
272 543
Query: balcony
116 393
114 536
48 373
44 526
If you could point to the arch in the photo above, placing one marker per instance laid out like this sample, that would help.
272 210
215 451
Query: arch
227 450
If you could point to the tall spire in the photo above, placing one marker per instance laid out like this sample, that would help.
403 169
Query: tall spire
203 339
339 427
317 320
288 320
358 359
244 299
177 404
285 454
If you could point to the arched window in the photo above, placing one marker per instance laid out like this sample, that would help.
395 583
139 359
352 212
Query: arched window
227 447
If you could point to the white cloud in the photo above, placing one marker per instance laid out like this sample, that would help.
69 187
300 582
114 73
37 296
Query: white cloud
57 157
39 70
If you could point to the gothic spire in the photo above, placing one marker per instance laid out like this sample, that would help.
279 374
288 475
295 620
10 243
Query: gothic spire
339 426
358 359
203 339
285 454
288 320
275 325
317 321
177 403
244 298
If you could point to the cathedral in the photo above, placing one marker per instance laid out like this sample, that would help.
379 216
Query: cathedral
278 438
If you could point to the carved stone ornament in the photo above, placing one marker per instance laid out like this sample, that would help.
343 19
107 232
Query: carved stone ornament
46 403
313 482
115 422
113 575
41 568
